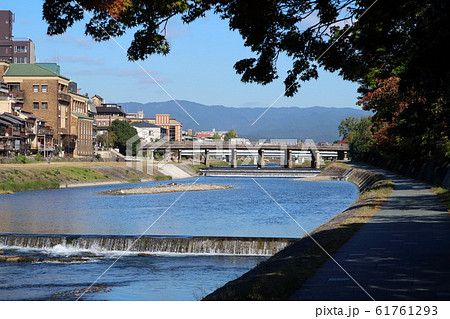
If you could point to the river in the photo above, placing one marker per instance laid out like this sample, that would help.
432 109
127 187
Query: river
243 211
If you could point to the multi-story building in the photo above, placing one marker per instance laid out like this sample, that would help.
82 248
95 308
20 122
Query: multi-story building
82 125
14 50
149 132
106 114
173 127
45 94
97 100
13 134
133 117
40 136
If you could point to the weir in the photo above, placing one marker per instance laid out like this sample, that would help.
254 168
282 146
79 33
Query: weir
150 244
260 172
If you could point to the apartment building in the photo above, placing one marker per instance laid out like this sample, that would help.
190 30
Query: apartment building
106 114
82 125
14 50
173 128
45 94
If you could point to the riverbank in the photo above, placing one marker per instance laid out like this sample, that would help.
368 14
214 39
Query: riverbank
400 254
34 176
170 188
281 275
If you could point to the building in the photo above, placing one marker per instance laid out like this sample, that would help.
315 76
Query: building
149 132
44 94
14 50
97 100
82 125
173 127
106 114
13 134
40 136
133 117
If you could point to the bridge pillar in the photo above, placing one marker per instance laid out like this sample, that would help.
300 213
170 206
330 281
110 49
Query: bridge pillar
233 158
151 154
206 157
167 155
288 159
261 162
179 156
315 159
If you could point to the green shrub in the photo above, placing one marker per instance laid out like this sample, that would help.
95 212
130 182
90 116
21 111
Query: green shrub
162 177
22 159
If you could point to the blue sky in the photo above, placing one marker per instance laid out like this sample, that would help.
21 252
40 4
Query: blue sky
199 67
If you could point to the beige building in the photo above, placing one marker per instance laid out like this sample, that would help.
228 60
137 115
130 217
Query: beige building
45 94
82 125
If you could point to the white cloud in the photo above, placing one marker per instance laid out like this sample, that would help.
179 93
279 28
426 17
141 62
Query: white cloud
80 59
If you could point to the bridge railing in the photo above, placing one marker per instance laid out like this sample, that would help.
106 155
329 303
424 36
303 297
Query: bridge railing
249 145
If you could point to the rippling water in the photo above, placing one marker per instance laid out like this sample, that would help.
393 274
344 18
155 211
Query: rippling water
245 210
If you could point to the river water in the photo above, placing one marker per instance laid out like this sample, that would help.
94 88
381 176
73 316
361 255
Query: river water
244 211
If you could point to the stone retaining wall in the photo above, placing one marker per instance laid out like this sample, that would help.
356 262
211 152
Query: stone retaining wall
430 172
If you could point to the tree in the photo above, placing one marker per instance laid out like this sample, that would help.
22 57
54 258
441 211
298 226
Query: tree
230 134
405 124
347 125
106 139
216 136
123 132
360 138
384 43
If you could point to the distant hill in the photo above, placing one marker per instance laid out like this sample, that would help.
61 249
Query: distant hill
319 123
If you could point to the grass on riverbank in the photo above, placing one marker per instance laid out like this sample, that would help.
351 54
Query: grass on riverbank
214 163
7 187
285 272
22 179
444 195
162 178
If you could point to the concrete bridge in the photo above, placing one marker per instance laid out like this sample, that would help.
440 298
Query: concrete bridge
256 148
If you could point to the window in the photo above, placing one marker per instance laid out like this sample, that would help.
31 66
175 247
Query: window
20 48
20 59
44 88
36 105
45 105
14 86
35 88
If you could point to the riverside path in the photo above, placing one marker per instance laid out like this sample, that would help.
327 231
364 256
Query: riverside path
402 253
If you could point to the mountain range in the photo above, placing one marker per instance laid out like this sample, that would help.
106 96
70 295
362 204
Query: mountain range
318 123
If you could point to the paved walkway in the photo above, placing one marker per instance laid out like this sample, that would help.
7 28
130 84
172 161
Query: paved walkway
402 253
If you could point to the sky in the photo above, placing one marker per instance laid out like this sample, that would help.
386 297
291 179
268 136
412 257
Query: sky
199 67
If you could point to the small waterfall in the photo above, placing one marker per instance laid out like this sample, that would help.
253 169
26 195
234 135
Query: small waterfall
255 172
151 244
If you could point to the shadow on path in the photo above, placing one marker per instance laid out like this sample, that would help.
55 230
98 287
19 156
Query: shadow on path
402 253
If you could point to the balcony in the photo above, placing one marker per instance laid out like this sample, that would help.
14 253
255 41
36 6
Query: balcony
45 131
18 94
64 97
47 148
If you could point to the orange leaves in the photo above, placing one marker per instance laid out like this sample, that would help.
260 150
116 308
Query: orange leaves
114 7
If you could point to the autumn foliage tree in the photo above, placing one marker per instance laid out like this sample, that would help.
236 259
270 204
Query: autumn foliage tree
405 123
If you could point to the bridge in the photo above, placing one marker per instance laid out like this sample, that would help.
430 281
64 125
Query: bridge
257 148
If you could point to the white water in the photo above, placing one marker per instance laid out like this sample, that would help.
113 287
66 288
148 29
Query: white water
119 245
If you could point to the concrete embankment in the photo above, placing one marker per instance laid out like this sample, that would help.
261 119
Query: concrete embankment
282 274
